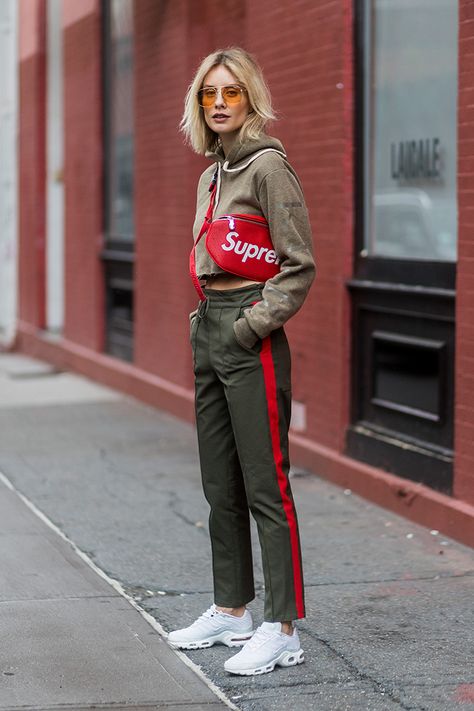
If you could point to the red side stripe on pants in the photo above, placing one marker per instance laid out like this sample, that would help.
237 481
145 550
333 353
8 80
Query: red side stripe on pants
266 359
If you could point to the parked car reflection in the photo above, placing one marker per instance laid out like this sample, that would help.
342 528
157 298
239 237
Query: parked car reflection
408 224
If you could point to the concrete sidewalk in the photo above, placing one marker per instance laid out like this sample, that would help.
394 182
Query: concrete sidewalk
69 639
390 604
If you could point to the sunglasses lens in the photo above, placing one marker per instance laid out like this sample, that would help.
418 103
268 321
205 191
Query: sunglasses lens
231 94
207 97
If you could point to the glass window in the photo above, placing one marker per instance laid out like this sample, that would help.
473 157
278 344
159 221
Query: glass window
410 95
119 120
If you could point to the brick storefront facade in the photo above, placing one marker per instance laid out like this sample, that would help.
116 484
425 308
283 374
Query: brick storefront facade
309 66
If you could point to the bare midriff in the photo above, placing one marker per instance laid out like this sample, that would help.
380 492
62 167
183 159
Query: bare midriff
221 282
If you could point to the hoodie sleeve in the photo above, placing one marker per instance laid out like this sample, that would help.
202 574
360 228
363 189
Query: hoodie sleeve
283 205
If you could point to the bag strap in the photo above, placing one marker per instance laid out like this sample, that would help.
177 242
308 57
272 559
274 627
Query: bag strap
204 228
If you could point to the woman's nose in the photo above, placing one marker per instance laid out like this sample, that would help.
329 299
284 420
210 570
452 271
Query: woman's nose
219 99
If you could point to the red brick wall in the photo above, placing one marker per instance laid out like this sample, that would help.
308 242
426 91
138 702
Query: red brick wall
83 173
464 410
164 199
32 167
170 41
304 62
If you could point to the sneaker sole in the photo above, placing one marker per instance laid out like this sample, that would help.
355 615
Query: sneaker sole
228 638
285 659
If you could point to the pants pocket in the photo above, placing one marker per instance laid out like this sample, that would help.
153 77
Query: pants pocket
257 347
192 326
193 329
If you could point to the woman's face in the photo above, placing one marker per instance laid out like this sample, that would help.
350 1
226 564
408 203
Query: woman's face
224 119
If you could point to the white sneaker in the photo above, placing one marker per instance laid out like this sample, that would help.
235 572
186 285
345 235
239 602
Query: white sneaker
268 647
211 627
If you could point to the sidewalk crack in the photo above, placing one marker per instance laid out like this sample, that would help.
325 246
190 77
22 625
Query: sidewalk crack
434 578
377 686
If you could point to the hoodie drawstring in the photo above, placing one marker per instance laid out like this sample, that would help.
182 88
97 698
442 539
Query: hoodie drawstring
225 165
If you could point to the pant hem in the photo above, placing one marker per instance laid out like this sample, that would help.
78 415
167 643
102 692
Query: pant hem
286 618
238 604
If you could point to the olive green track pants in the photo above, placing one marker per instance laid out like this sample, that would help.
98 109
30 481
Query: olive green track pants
243 404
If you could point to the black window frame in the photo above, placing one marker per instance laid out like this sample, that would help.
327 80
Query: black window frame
117 254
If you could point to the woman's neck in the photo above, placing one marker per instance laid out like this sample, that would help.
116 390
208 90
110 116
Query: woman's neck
227 141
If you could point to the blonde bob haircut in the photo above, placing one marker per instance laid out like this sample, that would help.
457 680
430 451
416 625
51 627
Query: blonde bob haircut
248 73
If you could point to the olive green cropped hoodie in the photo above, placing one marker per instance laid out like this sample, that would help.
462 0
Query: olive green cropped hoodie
267 185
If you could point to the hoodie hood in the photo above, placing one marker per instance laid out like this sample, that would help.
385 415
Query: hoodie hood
240 151
242 155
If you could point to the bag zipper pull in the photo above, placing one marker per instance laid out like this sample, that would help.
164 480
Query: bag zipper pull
231 222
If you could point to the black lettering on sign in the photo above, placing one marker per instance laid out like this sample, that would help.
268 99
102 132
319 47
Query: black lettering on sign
415 159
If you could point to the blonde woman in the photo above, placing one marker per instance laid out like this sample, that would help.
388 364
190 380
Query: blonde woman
252 266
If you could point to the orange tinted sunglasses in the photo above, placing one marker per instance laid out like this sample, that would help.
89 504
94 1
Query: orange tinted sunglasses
231 94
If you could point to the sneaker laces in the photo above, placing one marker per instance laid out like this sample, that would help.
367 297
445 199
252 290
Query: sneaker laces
212 611
259 638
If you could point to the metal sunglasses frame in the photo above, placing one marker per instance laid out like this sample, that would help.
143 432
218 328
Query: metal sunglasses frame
216 90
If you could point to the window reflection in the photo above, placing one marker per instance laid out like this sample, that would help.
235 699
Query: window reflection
119 127
409 224
411 132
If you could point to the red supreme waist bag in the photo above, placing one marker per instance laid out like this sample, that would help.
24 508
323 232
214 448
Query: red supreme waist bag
241 244
238 244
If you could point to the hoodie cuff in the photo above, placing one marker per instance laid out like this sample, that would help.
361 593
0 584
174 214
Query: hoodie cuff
244 334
